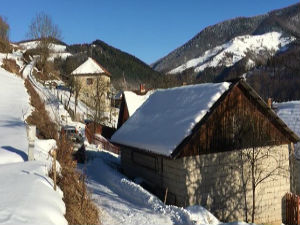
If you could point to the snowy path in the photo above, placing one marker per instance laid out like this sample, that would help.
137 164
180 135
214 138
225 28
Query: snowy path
14 105
124 202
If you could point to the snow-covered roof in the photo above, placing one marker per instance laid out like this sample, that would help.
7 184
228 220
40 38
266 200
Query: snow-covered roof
90 66
134 101
289 112
168 116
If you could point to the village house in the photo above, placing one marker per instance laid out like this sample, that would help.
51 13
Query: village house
130 102
191 144
93 83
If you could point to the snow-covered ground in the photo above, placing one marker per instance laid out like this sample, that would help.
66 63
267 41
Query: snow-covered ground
27 195
12 126
238 48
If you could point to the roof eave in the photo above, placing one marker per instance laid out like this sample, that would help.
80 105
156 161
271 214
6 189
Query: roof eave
90 74
141 150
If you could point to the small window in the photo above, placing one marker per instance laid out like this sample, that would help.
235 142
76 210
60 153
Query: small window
89 81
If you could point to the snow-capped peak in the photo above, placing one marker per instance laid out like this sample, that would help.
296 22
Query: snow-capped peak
235 50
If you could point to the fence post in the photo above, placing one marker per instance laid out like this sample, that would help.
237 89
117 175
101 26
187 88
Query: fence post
31 133
166 195
53 154
298 209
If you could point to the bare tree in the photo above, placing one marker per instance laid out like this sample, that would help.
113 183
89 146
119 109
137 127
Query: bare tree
5 46
43 29
4 29
100 99
77 87
258 159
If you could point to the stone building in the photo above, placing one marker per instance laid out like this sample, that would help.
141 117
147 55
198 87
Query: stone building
193 145
94 83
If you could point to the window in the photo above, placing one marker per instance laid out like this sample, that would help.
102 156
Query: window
89 81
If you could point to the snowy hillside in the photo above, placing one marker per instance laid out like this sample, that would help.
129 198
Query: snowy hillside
285 20
233 51
56 50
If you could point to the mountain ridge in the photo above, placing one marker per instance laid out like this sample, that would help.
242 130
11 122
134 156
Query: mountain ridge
214 35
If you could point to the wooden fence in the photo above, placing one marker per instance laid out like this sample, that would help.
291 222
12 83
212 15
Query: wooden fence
292 209
105 144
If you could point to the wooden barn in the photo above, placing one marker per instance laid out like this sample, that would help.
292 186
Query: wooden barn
208 144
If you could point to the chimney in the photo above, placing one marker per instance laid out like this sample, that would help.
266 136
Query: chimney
142 88
270 103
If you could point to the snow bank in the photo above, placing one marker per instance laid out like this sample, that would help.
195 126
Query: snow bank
201 216
27 195
168 116
14 104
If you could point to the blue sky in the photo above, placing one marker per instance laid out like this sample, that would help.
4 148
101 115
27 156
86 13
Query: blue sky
148 29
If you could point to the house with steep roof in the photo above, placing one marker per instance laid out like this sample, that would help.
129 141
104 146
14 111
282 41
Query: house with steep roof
188 144
94 83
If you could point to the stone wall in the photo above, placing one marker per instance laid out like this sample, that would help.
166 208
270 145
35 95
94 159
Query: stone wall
215 181
88 91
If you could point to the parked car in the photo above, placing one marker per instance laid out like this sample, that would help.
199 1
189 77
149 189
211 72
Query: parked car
72 133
